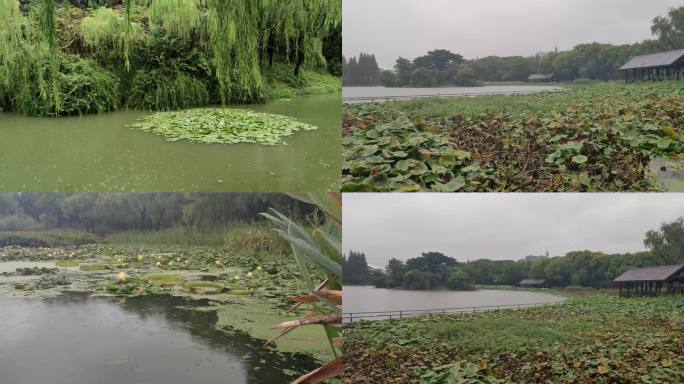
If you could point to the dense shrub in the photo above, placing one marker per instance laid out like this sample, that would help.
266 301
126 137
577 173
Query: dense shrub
153 90
84 87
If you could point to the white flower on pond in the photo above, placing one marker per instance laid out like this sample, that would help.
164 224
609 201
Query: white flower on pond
122 277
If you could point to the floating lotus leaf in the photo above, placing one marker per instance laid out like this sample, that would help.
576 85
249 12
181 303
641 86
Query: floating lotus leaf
224 126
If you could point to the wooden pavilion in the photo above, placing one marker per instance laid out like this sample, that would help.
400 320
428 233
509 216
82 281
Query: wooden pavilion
651 281
537 283
654 67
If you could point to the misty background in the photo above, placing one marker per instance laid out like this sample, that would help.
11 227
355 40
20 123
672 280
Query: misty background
501 226
478 28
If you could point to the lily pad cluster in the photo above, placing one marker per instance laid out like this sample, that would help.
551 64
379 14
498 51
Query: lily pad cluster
221 125
589 340
602 139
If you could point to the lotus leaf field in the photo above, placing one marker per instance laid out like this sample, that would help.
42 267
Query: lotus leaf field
594 138
224 126
596 339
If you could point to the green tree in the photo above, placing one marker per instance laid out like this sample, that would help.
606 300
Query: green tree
667 244
404 69
417 280
465 76
395 271
355 269
670 28
459 280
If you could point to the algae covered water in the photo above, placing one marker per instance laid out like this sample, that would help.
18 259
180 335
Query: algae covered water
155 339
100 153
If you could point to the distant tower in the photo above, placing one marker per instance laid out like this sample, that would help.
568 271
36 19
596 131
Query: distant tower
547 252
556 49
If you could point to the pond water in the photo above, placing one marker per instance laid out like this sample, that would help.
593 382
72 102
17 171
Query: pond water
79 340
99 153
370 299
383 92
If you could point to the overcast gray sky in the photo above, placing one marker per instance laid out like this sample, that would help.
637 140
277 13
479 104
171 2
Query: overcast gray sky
500 226
477 28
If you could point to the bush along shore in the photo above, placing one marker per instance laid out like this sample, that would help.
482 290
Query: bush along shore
595 339
59 59
593 138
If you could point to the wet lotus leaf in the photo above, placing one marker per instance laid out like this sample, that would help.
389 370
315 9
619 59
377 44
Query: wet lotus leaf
94 267
204 287
67 263
559 142
224 126
165 279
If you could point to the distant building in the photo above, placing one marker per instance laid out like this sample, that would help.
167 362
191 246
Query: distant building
542 78
536 283
654 67
651 281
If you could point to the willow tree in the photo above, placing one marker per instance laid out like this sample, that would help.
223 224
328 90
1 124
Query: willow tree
48 27
300 27
233 30
24 48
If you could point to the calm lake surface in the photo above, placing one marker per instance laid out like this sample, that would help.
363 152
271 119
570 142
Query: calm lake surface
370 299
380 92
99 153
147 340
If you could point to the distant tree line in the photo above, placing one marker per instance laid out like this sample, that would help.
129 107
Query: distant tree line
441 67
109 212
434 270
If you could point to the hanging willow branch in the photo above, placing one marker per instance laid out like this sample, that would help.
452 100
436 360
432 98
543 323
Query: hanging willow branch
49 29
233 34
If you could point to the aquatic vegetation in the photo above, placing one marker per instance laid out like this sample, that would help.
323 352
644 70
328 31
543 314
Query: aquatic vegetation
225 126
598 138
164 279
67 263
204 287
94 267
35 271
593 339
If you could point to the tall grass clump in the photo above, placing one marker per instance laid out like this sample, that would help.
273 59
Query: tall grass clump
240 238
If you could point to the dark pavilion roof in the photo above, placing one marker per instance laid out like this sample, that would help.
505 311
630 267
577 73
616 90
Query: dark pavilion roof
660 59
532 281
661 273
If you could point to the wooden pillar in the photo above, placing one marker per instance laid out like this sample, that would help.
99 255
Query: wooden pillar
621 281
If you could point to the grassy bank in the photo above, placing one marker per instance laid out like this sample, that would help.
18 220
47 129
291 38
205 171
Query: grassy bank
242 238
35 239
597 339
598 137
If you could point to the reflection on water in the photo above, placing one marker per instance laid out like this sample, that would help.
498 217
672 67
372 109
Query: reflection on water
96 153
369 299
76 340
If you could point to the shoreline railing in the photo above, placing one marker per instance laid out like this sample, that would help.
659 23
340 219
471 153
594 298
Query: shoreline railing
349 317
371 99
